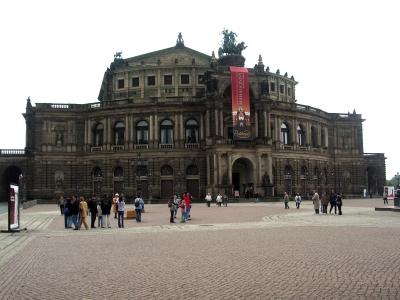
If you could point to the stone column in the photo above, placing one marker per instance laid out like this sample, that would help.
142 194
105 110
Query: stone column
219 168
293 135
109 135
270 173
181 127
201 127
277 130
86 133
266 125
221 122
151 130
156 135
176 129
259 170
215 171
326 136
207 123
127 134
208 171
230 168
319 135
256 123
216 122
308 133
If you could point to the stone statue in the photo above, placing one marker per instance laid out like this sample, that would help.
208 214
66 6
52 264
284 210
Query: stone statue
59 182
179 41
266 180
59 139
229 45
118 55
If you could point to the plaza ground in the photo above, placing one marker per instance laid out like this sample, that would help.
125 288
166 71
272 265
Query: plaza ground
244 251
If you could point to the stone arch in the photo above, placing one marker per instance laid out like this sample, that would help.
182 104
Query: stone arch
243 176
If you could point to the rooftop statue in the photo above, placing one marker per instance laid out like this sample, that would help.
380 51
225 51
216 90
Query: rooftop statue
229 44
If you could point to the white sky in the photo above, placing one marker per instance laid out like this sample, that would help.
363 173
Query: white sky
345 54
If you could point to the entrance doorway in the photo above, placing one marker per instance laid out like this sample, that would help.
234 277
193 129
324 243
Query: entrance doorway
243 177
10 175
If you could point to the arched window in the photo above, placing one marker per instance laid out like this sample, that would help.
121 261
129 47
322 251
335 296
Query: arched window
119 133
314 141
166 171
288 172
167 132
301 135
96 173
98 133
303 172
285 134
192 170
118 172
192 131
142 132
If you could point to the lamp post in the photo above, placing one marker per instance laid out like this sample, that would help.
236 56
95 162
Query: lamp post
138 171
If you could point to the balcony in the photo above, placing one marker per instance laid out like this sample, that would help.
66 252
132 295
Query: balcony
117 148
12 152
96 149
166 146
141 146
192 145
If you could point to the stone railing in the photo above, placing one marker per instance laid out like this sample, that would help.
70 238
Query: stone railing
141 146
96 149
116 148
166 146
192 145
12 152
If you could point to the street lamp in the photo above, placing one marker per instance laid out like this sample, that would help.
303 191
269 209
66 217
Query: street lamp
138 170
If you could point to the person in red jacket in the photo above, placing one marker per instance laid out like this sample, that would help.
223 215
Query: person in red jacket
188 200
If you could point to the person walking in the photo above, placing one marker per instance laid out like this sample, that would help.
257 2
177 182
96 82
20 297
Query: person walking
115 205
182 205
121 211
83 212
385 198
93 210
61 204
339 203
139 205
67 213
332 201
286 200
106 209
225 200
208 199
99 216
75 212
171 206
298 200
188 202
324 203
218 200
177 198
315 200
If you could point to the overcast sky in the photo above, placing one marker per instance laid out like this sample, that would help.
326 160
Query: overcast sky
344 54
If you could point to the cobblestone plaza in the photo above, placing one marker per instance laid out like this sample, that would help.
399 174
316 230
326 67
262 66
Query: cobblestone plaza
243 251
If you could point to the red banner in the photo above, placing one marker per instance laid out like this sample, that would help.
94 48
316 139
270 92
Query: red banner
240 103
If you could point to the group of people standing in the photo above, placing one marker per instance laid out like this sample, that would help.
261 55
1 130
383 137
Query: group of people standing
182 201
219 200
321 204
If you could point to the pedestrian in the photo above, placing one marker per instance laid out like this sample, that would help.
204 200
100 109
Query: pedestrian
324 203
75 212
171 206
385 199
139 205
115 205
106 209
315 200
177 198
61 204
208 199
332 201
99 216
188 202
298 200
93 210
182 205
83 212
121 211
225 200
339 203
218 200
67 213
286 200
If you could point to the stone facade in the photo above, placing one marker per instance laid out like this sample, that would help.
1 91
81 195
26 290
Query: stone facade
163 125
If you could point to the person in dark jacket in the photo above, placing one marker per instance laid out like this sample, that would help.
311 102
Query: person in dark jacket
339 203
75 212
106 209
93 210
332 201
67 213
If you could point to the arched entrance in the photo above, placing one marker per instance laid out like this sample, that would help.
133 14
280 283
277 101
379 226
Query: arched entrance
10 175
243 177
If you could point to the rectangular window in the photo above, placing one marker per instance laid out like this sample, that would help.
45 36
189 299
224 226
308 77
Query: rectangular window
167 79
151 80
272 86
281 88
185 79
121 83
135 81
289 91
